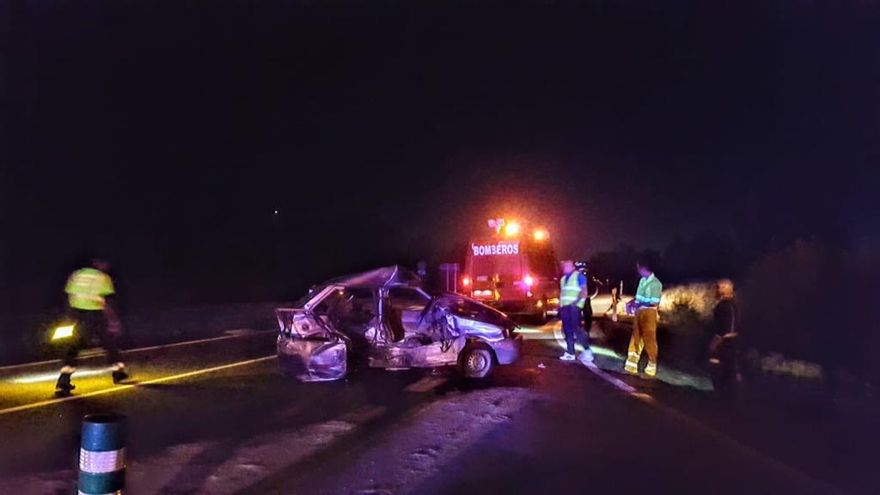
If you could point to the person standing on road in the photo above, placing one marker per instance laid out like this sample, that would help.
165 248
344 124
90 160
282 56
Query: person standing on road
588 315
87 291
644 327
572 298
588 301
723 346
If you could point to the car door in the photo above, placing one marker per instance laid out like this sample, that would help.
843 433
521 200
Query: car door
410 302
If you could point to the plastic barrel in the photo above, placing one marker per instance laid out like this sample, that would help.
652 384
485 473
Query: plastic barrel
102 455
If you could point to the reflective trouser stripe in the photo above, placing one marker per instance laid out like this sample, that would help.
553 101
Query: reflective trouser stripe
648 300
101 472
632 360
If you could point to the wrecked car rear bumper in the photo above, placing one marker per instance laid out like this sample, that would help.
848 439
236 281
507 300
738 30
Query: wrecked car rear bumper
312 360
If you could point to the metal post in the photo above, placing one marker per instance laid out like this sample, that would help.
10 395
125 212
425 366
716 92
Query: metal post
615 297
102 455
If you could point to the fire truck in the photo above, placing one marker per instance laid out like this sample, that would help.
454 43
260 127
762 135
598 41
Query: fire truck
514 270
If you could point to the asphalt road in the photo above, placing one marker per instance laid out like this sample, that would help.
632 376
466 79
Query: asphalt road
216 417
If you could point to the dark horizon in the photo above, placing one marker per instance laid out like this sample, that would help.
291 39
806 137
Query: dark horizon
166 136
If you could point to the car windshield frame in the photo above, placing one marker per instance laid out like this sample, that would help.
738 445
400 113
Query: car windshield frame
308 300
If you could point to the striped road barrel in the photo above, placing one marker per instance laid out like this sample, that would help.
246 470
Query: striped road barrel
102 455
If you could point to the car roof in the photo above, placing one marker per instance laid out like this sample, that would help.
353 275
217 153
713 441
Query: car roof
387 276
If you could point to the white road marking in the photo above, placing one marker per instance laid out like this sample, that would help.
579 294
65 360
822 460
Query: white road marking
120 388
90 355
614 381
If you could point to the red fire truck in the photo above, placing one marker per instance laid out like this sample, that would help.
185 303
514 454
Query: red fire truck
514 271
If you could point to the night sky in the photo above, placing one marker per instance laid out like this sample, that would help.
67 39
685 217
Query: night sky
164 135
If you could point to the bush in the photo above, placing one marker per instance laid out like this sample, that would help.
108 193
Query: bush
686 308
793 301
697 297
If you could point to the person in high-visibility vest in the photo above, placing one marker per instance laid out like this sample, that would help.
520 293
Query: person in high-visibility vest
87 292
644 329
572 298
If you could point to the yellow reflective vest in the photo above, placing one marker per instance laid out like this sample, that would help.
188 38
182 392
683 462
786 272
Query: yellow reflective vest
570 288
87 289
649 292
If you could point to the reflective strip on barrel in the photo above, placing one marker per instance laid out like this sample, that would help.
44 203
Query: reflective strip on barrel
101 462
102 455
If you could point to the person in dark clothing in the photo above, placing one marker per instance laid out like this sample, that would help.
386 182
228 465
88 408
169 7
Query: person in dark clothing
588 314
587 311
724 339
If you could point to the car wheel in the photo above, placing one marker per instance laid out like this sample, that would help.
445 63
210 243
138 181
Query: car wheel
477 362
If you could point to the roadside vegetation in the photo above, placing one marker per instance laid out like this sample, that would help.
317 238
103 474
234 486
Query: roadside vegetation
803 306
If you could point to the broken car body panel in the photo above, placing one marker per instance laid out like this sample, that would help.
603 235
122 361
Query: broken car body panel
384 316
316 352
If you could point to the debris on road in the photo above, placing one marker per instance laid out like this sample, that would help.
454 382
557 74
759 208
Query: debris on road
427 441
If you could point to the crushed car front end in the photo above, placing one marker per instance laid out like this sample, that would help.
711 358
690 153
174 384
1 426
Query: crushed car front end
308 349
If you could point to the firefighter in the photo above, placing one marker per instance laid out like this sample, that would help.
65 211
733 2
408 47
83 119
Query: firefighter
572 298
723 346
644 329
87 291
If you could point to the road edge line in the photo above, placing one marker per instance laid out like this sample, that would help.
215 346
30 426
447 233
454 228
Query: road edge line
141 349
120 388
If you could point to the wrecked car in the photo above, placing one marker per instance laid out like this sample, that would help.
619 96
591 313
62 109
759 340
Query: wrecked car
384 319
